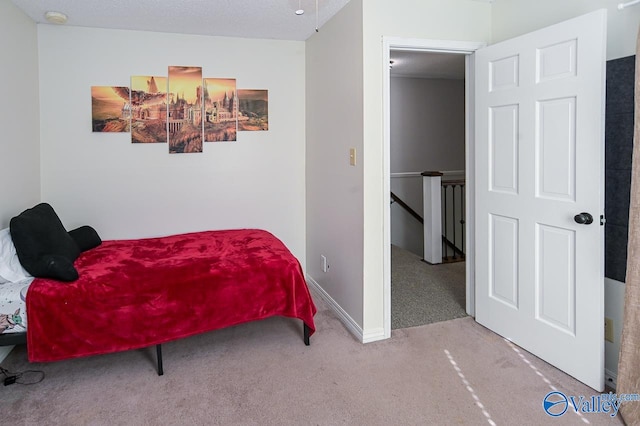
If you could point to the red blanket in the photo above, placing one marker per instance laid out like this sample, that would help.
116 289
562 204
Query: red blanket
137 293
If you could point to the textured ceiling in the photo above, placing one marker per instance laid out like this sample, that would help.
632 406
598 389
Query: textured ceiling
271 19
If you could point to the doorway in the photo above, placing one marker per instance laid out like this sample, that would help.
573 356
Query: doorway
427 112
442 47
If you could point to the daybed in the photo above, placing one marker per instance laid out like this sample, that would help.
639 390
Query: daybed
136 293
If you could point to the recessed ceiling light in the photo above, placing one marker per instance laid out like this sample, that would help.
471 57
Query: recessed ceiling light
55 17
300 12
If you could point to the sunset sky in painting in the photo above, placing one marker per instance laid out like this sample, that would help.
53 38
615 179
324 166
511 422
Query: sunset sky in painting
218 86
105 93
261 95
184 81
139 82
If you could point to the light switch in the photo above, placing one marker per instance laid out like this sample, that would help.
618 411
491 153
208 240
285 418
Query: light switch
352 156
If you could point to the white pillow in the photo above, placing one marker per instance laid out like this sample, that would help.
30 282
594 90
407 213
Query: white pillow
10 268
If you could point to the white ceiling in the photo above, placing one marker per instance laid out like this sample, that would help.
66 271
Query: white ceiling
271 19
266 19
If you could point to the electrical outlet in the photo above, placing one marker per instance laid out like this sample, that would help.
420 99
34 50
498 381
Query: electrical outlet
608 330
325 266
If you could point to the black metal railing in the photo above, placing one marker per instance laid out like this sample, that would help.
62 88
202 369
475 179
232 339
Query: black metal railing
453 220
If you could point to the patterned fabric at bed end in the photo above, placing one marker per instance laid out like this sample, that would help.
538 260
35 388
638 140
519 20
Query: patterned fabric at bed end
13 312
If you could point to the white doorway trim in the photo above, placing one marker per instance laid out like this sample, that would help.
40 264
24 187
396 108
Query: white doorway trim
440 46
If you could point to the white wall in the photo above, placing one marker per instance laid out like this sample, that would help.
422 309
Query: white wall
427 124
334 188
19 117
613 308
515 17
406 231
461 20
129 191
19 113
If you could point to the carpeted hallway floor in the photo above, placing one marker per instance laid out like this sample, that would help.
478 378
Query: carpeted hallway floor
422 293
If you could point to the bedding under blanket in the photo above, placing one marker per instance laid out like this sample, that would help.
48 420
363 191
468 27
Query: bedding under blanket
137 293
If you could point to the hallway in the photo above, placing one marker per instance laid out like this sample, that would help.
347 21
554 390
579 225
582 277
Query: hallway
422 293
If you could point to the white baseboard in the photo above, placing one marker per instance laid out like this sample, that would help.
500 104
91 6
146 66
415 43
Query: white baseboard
610 379
373 335
4 352
344 317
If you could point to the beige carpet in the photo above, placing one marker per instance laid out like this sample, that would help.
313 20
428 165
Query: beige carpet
422 293
262 374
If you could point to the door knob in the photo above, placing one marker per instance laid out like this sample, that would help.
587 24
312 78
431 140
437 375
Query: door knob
583 218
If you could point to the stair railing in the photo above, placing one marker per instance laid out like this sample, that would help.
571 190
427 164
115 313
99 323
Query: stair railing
407 207
453 197
444 223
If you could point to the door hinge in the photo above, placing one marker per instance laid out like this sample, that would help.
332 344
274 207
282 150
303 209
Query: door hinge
602 220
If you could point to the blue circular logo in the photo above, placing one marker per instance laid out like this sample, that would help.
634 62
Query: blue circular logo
555 404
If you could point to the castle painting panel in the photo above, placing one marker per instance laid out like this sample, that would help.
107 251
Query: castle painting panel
148 109
220 109
110 109
184 120
253 109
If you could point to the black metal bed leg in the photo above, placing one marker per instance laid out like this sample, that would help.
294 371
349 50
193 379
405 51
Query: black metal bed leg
307 332
159 357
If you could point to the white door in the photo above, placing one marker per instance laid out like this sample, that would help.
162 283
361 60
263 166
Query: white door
539 163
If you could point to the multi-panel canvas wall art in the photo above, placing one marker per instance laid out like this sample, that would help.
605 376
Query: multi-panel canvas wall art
253 106
148 109
220 109
182 109
110 109
185 109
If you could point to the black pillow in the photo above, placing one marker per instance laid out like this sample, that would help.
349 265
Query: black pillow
59 267
44 247
85 237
